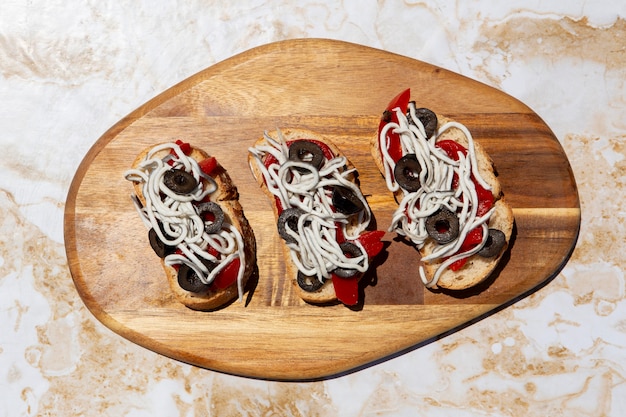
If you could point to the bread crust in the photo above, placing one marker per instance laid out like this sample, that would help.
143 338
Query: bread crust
325 294
477 268
227 196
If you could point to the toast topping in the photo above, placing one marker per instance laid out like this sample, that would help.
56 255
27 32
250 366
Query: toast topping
443 226
495 241
435 176
306 190
178 211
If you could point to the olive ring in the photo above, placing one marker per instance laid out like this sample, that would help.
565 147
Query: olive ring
190 281
346 201
309 283
407 171
308 152
158 246
493 245
428 119
348 249
443 226
213 208
179 181
288 218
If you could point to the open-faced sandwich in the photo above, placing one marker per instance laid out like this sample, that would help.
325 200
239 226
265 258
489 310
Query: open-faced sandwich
450 203
322 216
196 225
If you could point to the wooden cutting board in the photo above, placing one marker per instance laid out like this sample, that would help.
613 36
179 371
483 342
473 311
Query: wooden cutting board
338 89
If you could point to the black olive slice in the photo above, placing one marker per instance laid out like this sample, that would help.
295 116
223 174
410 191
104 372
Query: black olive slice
407 171
428 119
190 281
179 181
309 283
443 226
159 247
289 219
346 201
348 249
306 151
215 225
493 245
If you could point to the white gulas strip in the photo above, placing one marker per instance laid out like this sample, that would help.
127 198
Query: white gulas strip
181 225
436 191
316 251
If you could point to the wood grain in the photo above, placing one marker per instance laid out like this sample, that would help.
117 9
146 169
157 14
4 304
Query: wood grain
339 90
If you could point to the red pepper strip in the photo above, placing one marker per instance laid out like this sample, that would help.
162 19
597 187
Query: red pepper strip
346 289
208 165
228 275
485 200
473 238
371 242
393 139
455 266
184 146
452 148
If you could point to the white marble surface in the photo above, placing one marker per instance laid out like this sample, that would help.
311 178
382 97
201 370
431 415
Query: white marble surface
71 69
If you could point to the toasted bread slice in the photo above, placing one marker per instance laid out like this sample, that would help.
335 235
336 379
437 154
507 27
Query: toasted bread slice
326 293
477 268
227 197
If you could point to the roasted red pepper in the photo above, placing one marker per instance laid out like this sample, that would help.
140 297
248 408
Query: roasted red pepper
371 242
473 238
393 139
451 148
346 289
208 165
228 275
184 146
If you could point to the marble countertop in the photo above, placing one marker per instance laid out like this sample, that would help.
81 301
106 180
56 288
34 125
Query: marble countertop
69 70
